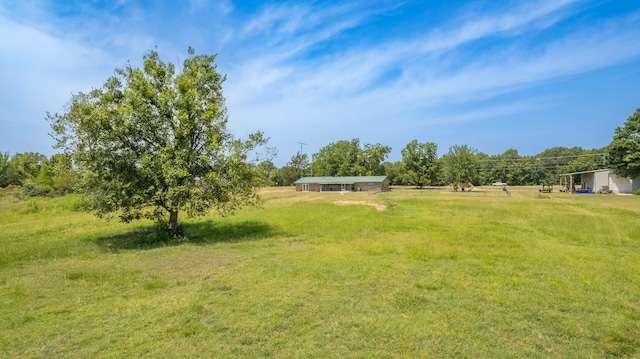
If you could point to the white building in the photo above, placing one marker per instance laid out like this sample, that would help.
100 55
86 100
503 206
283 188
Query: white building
603 180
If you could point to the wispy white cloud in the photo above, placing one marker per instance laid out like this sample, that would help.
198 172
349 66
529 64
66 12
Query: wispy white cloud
357 69
355 75
508 20
293 20
417 78
317 61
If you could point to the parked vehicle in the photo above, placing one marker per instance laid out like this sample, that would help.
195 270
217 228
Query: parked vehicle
546 188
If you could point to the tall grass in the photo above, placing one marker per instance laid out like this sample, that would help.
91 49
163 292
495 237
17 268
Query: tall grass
434 275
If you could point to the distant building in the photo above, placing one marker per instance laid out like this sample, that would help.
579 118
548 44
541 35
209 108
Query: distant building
342 184
603 180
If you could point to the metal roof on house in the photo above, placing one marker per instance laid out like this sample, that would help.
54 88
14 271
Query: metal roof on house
341 180
584 172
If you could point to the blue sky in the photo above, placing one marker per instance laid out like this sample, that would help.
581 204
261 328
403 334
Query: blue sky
492 75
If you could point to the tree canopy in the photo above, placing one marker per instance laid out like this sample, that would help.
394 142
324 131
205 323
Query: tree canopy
624 149
299 161
152 142
347 158
7 172
420 163
460 164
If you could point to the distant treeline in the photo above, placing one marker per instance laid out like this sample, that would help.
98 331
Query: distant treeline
420 165
37 174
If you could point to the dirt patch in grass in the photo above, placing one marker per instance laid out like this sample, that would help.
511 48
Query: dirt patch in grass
379 207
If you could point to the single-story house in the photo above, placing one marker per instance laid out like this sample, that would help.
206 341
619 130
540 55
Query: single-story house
342 184
603 180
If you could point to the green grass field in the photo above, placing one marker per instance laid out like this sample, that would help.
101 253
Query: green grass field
435 274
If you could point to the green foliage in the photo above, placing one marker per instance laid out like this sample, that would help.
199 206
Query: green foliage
588 160
287 175
347 158
501 167
511 168
371 159
624 149
152 142
420 164
460 164
16 169
394 171
264 170
530 171
27 165
37 189
267 166
554 159
62 175
299 161
7 171
40 176
337 159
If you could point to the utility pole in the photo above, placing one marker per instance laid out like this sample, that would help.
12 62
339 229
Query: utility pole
301 144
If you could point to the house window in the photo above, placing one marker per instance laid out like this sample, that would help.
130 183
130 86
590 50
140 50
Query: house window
305 187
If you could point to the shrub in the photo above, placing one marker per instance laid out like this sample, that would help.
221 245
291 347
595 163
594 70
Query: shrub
34 189
64 184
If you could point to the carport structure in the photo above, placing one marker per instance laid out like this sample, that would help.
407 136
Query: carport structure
604 180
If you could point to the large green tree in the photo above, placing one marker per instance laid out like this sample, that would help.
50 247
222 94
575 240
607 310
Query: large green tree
337 159
511 168
299 161
266 168
151 143
624 149
347 158
372 157
27 165
501 168
460 164
555 158
420 162
588 160
287 175
529 171
61 173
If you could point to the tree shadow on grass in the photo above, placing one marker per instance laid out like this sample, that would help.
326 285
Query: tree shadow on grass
202 232
207 232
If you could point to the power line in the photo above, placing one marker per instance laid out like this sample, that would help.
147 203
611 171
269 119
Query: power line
540 162
539 158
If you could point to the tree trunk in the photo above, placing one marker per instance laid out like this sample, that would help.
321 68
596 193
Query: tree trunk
173 223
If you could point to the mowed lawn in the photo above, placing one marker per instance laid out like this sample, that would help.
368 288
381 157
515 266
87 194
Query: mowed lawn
434 274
